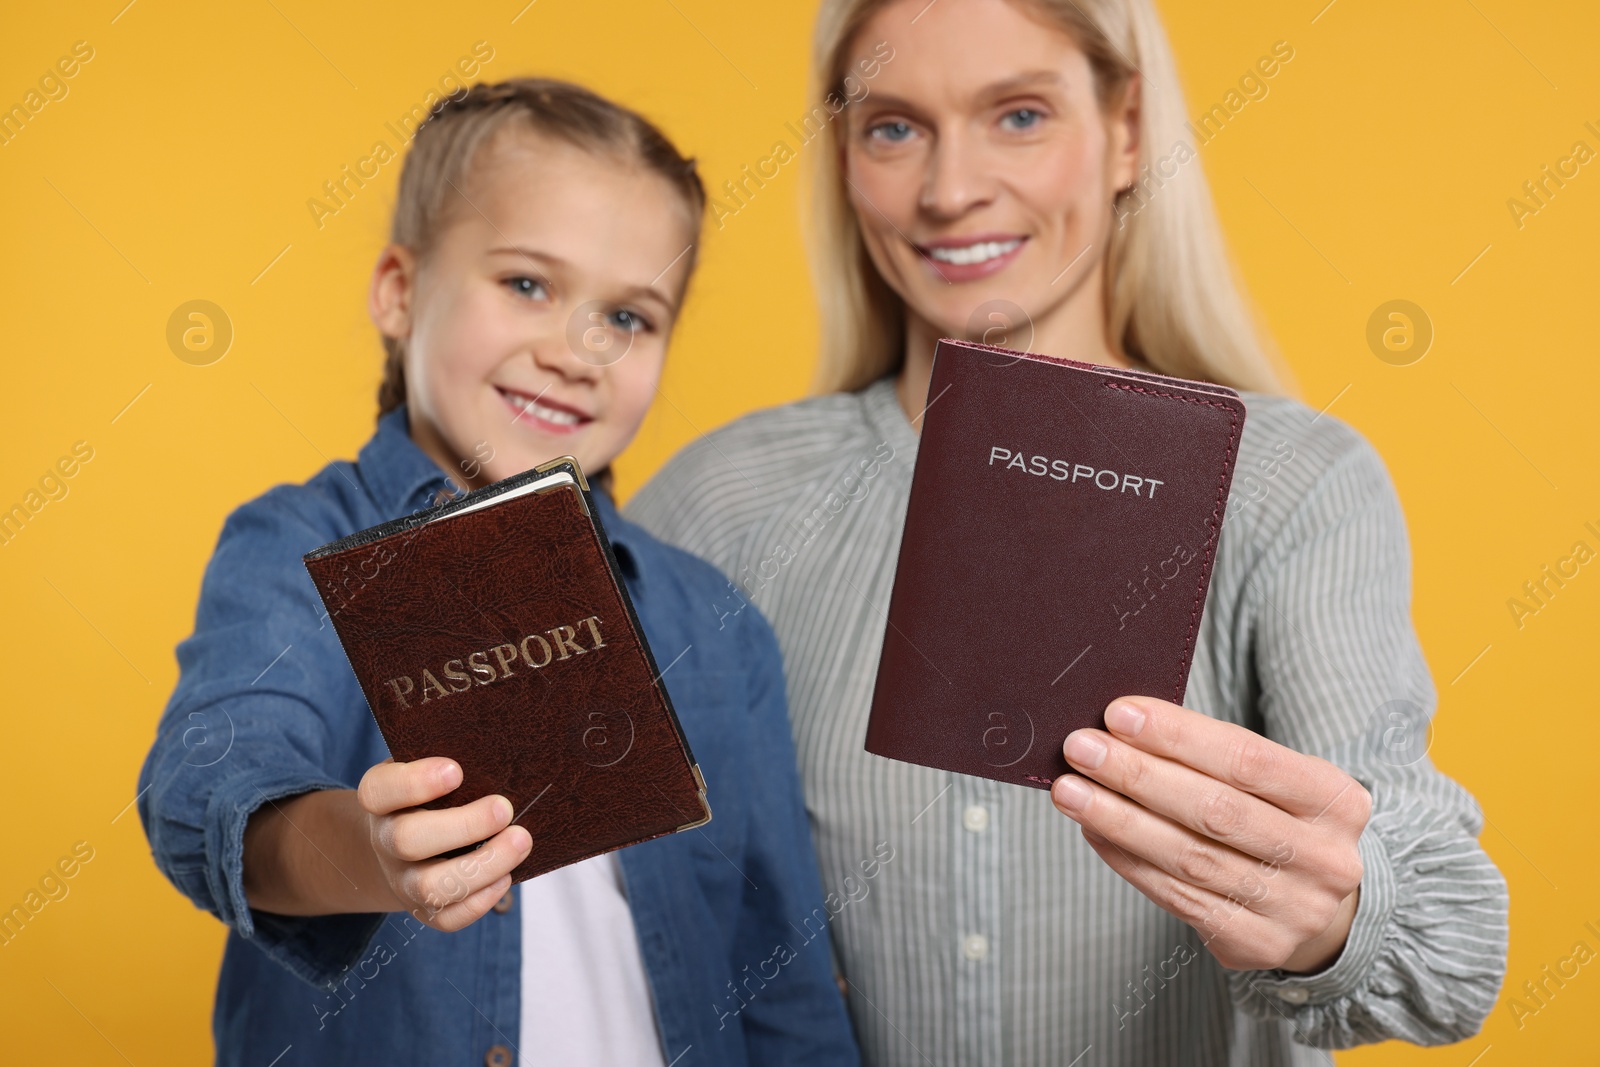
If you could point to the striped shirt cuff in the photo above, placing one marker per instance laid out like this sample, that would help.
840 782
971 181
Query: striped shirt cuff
1374 908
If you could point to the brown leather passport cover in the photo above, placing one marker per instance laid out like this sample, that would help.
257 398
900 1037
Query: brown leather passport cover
504 639
1057 548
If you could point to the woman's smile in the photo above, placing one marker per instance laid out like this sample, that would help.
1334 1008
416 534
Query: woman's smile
968 258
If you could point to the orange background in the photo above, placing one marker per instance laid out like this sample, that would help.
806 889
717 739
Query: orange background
178 167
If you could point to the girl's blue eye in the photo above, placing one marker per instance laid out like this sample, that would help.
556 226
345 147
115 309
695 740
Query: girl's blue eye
1025 117
893 132
532 288
629 321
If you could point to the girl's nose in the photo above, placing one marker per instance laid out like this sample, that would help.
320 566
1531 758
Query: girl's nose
578 353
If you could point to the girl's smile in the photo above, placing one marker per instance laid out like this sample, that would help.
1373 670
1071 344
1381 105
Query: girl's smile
543 414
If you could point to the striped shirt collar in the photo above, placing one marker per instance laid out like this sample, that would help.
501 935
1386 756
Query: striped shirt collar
887 418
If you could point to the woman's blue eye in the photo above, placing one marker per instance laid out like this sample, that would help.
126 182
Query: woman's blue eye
1024 117
891 131
532 288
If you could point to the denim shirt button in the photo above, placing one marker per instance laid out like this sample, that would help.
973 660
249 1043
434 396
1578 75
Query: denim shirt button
503 905
497 1056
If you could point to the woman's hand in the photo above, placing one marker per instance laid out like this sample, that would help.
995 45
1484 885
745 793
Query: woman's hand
1251 843
446 894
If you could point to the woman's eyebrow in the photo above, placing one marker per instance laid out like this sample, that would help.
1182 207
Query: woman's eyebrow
1018 82
993 90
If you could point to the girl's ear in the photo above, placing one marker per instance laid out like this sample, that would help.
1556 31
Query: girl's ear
394 283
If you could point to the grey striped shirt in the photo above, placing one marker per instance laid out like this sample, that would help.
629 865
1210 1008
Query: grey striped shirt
994 935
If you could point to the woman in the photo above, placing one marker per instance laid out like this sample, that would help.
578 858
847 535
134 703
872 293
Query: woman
1256 874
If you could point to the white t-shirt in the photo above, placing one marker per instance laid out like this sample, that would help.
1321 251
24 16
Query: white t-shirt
585 997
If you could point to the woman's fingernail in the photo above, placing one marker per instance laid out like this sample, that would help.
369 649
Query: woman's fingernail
1085 749
1072 792
503 810
1125 719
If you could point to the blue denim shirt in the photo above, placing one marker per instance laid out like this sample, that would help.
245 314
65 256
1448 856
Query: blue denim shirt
731 920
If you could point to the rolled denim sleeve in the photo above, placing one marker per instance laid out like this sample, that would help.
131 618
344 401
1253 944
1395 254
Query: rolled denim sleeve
265 708
1343 676
800 1017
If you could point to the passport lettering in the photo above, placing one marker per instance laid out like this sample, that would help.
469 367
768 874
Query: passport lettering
533 651
1072 473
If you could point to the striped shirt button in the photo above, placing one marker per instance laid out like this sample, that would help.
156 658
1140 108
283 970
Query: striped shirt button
976 818
975 947
1293 995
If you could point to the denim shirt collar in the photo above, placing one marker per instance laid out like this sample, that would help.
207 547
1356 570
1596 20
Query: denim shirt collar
402 478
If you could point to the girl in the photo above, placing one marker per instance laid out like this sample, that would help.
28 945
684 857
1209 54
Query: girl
542 243
1277 868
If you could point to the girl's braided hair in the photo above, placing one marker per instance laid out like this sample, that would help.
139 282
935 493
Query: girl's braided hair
459 126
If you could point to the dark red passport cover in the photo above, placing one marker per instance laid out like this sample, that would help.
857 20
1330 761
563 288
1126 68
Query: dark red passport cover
505 639
1058 545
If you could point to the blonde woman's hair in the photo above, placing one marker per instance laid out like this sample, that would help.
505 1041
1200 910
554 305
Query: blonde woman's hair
1171 301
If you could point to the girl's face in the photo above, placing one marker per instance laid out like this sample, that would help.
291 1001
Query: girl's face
537 325
981 165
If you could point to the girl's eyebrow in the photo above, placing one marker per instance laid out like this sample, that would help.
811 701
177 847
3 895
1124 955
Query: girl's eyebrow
527 253
644 292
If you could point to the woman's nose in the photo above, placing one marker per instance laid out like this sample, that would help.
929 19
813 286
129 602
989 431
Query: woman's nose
956 179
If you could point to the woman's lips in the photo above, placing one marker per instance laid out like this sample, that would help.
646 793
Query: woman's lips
965 260
544 415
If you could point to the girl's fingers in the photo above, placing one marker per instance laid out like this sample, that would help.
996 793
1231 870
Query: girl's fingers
1175 850
447 890
1212 808
465 912
390 786
421 834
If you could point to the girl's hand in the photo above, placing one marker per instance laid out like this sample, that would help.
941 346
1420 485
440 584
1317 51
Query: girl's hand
445 893
1251 843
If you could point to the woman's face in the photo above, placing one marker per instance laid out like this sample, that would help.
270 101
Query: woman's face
981 166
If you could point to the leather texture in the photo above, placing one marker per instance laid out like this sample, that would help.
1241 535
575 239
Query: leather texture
1058 545
539 682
